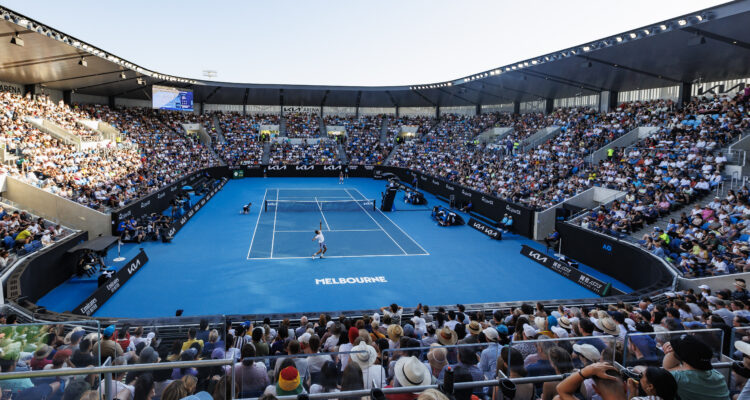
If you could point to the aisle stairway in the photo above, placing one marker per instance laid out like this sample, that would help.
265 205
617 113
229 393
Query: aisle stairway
266 153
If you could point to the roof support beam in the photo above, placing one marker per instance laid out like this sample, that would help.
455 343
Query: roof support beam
631 69
325 97
717 37
425 98
212 94
80 77
390 96
457 96
562 81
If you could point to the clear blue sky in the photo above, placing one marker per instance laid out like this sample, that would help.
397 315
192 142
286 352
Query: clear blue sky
341 42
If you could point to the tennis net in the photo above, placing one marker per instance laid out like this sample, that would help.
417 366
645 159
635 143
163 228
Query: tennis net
316 206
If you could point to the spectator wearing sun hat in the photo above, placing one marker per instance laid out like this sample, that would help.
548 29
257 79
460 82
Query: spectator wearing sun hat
373 375
689 361
409 371
394 334
474 328
437 358
41 357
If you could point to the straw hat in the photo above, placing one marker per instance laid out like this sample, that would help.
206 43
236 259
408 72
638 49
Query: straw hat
447 336
395 332
412 372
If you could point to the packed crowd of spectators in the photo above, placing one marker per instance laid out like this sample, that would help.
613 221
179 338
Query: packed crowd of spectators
666 350
302 125
556 169
244 142
324 152
362 141
676 166
23 233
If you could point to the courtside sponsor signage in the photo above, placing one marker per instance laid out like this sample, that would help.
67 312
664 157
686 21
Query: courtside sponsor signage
104 292
188 215
351 280
575 275
486 229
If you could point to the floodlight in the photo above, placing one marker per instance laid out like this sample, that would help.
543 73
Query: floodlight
82 62
17 40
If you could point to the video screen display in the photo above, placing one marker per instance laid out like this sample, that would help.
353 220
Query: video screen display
169 98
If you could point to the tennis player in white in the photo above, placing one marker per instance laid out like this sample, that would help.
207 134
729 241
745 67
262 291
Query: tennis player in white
321 241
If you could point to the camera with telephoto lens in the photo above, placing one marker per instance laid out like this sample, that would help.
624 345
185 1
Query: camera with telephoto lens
739 368
630 373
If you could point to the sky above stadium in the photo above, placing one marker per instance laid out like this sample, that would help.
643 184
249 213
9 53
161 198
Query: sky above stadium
349 42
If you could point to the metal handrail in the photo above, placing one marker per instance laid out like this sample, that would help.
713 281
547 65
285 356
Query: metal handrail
47 373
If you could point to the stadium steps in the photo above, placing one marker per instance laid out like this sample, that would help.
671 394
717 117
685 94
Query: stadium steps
266 153
720 192
342 154
390 155
219 132
384 130
282 126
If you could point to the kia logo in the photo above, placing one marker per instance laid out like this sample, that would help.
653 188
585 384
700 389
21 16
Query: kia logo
537 256
465 193
160 195
277 167
145 203
488 201
330 167
134 266
449 187
304 167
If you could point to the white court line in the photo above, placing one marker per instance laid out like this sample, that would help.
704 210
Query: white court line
321 214
365 256
399 228
376 222
340 230
308 197
257 222
336 188
275 211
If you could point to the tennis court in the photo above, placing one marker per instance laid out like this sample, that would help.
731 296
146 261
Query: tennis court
351 223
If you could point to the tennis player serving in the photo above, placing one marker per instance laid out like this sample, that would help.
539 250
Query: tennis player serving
321 241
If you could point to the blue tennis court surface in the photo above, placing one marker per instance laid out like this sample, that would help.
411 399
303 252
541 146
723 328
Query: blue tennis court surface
221 261
351 224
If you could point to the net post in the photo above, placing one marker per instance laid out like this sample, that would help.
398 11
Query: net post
265 205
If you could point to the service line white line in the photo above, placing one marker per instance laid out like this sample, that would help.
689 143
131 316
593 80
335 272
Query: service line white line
275 211
321 214
339 230
257 222
399 228
363 256
376 222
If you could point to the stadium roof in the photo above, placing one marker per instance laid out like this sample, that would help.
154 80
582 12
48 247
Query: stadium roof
709 45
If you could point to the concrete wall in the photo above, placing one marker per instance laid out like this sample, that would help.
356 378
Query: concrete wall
716 283
340 111
80 98
56 208
591 198
632 137
540 136
493 135
417 111
377 110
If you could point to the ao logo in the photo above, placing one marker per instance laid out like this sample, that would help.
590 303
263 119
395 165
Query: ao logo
607 247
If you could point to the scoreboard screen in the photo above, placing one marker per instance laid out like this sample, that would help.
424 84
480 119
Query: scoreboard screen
169 98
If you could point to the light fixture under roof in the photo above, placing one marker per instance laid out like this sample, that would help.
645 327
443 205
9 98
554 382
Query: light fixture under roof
17 40
82 62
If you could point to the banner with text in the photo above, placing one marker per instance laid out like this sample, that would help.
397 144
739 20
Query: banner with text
104 292
574 274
